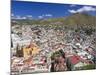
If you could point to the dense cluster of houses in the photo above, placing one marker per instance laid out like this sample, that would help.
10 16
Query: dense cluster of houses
33 45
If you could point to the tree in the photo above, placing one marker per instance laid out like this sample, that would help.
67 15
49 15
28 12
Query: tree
68 63
87 67
19 52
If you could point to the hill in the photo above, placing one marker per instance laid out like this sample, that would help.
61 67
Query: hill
74 19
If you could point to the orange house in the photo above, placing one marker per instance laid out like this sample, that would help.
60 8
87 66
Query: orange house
30 50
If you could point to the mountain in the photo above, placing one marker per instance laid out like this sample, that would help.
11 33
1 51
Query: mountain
73 19
81 19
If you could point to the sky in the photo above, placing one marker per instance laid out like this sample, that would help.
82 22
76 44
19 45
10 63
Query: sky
40 10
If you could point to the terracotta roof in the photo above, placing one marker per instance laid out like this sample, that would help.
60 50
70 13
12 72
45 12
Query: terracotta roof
75 59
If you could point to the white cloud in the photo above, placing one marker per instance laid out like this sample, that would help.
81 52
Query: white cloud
29 16
24 17
21 17
83 9
12 14
40 17
86 8
48 15
72 5
45 15
72 11
18 17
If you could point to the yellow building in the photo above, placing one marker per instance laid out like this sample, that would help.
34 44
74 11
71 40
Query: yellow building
30 50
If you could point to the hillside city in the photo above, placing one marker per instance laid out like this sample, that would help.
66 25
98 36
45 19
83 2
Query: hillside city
52 48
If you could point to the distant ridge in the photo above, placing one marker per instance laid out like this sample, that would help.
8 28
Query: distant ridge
74 19
80 19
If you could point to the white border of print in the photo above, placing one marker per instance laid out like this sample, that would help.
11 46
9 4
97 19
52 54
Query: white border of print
86 2
5 36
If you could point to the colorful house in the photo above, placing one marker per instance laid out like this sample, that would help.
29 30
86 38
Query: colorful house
31 49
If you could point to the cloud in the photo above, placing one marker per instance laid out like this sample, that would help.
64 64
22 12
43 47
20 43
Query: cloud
21 17
24 17
48 15
72 5
29 16
45 15
72 11
83 9
86 8
12 14
40 17
18 17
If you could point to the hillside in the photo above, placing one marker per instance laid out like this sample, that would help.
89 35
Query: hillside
74 19
81 19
